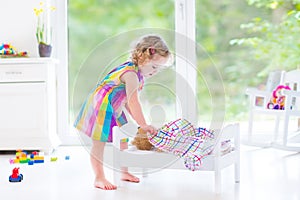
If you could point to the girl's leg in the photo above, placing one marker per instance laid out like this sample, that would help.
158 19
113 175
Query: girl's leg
96 157
126 176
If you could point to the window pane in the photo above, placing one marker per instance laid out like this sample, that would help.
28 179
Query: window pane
224 71
100 34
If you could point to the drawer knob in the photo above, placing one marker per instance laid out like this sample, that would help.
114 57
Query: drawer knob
13 72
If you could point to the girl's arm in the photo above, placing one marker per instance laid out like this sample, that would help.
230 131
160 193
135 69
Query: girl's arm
133 104
127 108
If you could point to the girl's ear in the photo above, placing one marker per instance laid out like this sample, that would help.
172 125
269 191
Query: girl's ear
152 51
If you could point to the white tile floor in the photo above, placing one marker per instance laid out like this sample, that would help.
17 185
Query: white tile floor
265 174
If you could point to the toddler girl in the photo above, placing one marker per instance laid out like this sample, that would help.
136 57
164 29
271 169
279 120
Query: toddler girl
102 110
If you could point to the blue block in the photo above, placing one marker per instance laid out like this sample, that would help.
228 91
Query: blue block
30 162
38 161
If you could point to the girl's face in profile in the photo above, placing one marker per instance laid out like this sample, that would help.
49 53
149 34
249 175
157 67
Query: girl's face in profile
151 67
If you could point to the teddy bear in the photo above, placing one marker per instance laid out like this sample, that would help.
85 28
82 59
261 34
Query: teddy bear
141 140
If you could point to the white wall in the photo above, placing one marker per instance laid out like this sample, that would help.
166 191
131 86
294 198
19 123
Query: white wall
18 26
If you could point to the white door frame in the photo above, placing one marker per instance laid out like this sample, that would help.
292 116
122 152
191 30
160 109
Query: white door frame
61 53
186 69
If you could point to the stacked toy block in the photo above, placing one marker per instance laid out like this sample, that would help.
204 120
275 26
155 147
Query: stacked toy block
22 157
124 143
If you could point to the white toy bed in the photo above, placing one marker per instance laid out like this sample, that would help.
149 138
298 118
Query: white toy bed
152 160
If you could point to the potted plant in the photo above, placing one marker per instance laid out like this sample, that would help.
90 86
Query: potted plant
44 28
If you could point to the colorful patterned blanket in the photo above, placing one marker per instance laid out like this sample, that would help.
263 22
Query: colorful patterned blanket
180 138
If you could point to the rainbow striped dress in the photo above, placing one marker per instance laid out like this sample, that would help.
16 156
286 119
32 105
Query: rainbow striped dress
102 110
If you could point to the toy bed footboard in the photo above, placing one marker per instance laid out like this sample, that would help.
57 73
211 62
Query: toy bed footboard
151 160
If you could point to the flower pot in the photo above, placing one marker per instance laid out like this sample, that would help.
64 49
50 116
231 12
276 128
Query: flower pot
45 50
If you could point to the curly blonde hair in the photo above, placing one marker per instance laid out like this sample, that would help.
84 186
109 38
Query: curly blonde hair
146 47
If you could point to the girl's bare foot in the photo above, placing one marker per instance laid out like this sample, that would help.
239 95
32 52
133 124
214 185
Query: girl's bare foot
104 184
129 177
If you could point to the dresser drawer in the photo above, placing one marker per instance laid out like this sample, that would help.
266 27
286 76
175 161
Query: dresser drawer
23 73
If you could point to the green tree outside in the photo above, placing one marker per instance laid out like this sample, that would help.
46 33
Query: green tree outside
220 26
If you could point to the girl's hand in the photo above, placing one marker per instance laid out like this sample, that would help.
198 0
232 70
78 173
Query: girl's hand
149 128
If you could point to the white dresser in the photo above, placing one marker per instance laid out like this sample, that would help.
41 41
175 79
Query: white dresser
28 106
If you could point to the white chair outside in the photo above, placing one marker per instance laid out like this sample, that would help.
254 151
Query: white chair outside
282 136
